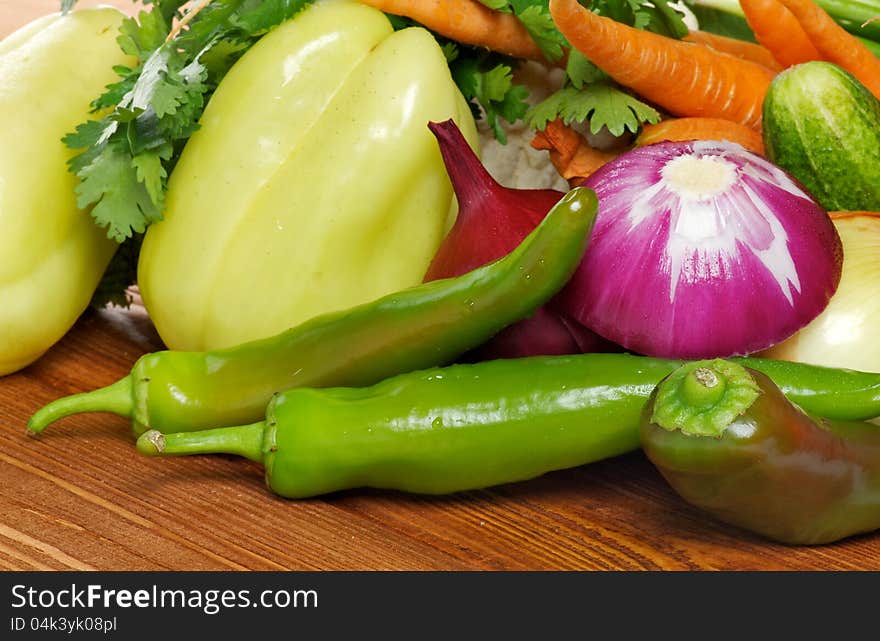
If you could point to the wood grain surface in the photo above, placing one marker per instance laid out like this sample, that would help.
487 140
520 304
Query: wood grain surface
80 497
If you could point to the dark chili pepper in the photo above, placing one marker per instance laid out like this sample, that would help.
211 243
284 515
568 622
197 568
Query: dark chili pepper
445 429
728 440
424 326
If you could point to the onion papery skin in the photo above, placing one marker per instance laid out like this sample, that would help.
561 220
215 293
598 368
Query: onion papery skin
702 271
492 221
845 334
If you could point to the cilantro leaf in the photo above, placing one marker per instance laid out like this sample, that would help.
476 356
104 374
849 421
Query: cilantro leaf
535 17
602 104
537 21
126 156
143 36
492 89
256 17
549 109
497 5
121 202
659 16
581 71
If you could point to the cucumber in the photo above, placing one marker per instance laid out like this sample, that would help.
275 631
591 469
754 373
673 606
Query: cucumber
823 126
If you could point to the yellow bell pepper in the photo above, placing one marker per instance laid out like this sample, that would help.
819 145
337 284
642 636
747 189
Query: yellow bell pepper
312 185
52 256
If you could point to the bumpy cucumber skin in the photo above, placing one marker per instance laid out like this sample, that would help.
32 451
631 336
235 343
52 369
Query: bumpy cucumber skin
823 126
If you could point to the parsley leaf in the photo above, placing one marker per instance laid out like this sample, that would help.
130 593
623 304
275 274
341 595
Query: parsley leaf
122 201
492 89
535 17
589 95
602 104
256 17
498 5
125 157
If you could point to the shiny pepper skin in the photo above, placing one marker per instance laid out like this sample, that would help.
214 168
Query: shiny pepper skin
51 253
313 184
728 441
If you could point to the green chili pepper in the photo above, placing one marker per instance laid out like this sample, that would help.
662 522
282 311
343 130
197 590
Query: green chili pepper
426 325
454 428
729 441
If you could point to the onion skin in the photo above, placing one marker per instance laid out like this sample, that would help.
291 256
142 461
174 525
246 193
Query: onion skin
844 335
491 222
729 274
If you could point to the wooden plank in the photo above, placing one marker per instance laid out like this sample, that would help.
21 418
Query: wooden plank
79 496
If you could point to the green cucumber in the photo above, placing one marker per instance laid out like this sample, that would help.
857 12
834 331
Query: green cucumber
823 127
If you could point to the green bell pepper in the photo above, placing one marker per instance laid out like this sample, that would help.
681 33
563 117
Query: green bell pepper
51 254
313 184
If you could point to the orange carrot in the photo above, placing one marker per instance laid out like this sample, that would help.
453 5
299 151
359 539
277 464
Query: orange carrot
570 153
778 30
837 215
684 78
835 44
468 22
735 47
701 129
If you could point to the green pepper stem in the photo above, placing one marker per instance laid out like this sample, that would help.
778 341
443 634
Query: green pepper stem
703 387
241 440
703 398
115 398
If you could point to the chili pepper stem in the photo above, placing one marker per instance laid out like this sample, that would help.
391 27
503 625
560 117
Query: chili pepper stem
703 387
115 398
242 440
703 398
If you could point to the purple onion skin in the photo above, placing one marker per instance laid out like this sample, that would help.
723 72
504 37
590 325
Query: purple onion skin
492 221
544 334
729 265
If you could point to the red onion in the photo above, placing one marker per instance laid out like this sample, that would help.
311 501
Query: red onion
492 221
702 249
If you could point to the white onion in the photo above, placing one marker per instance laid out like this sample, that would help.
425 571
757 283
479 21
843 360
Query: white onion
846 333
702 249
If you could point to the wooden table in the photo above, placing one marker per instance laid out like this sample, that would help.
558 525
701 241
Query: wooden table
80 497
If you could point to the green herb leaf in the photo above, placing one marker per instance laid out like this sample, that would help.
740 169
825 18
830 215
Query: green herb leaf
125 157
494 91
539 24
256 17
535 17
602 105
581 71
659 16
121 201
497 5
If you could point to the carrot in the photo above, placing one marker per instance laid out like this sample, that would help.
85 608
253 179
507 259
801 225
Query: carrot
778 30
835 44
735 47
684 78
837 215
570 153
468 22
701 129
